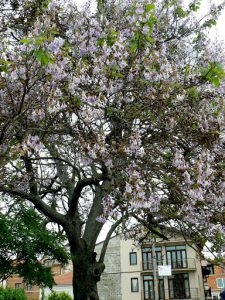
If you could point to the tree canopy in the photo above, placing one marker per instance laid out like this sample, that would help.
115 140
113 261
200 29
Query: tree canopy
24 245
116 115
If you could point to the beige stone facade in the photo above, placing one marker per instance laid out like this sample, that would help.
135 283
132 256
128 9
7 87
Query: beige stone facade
110 285
129 272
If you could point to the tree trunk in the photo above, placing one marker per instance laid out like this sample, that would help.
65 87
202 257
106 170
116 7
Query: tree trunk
86 273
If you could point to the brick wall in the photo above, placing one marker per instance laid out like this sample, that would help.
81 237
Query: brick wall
211 280
15 281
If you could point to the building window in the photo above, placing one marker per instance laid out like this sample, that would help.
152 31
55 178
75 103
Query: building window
134 285
177 257
29 287
147 257
179 287
220 282
18 285
148 284
133 258
211 269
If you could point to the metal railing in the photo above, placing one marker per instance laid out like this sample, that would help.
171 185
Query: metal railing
179 264
175 294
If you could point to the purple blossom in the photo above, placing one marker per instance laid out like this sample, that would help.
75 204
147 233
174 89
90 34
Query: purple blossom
101 219
56 44
178 161
145 29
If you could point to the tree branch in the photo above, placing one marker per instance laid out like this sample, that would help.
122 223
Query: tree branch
108 236
49 212
73 201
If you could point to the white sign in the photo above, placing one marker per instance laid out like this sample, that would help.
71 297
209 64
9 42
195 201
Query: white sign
164 270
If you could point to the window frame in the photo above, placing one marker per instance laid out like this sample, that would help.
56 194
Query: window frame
148 286
132 286
176 256
135 255
147 257
29 287
223 282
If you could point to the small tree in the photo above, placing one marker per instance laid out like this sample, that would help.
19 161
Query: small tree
113 116
24 242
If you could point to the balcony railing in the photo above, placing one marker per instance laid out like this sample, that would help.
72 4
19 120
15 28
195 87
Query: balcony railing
178 264
175 294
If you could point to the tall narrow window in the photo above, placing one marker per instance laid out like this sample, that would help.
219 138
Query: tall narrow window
133 258
177 257
148 284
148 287
134 285
147 257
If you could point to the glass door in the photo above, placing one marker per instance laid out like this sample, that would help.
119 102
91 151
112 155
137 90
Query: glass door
149 287
148 283
179 286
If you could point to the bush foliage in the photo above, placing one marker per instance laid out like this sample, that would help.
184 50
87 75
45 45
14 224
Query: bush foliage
59 296
12 294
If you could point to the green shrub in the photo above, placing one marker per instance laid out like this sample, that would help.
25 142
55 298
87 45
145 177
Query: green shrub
59 296
12 294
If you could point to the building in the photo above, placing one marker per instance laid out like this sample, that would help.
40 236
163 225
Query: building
63 283
131 272
215 281
33 292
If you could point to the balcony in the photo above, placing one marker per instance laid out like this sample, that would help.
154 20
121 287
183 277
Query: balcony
183 264
176 294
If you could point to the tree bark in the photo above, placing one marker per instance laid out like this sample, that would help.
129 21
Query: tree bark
86 272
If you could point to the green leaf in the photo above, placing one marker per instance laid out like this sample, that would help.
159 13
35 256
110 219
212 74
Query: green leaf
43 57
55 32
195 6
4 64
149 7
100 42
210 23
215 81
213 73
77 101
40 40
25 41
149 39
180 12
133 45
151 21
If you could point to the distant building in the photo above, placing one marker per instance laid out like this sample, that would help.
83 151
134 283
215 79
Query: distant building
215 281
63 284
129 272
33 292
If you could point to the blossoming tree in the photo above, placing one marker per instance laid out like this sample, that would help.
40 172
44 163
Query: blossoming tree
113 116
